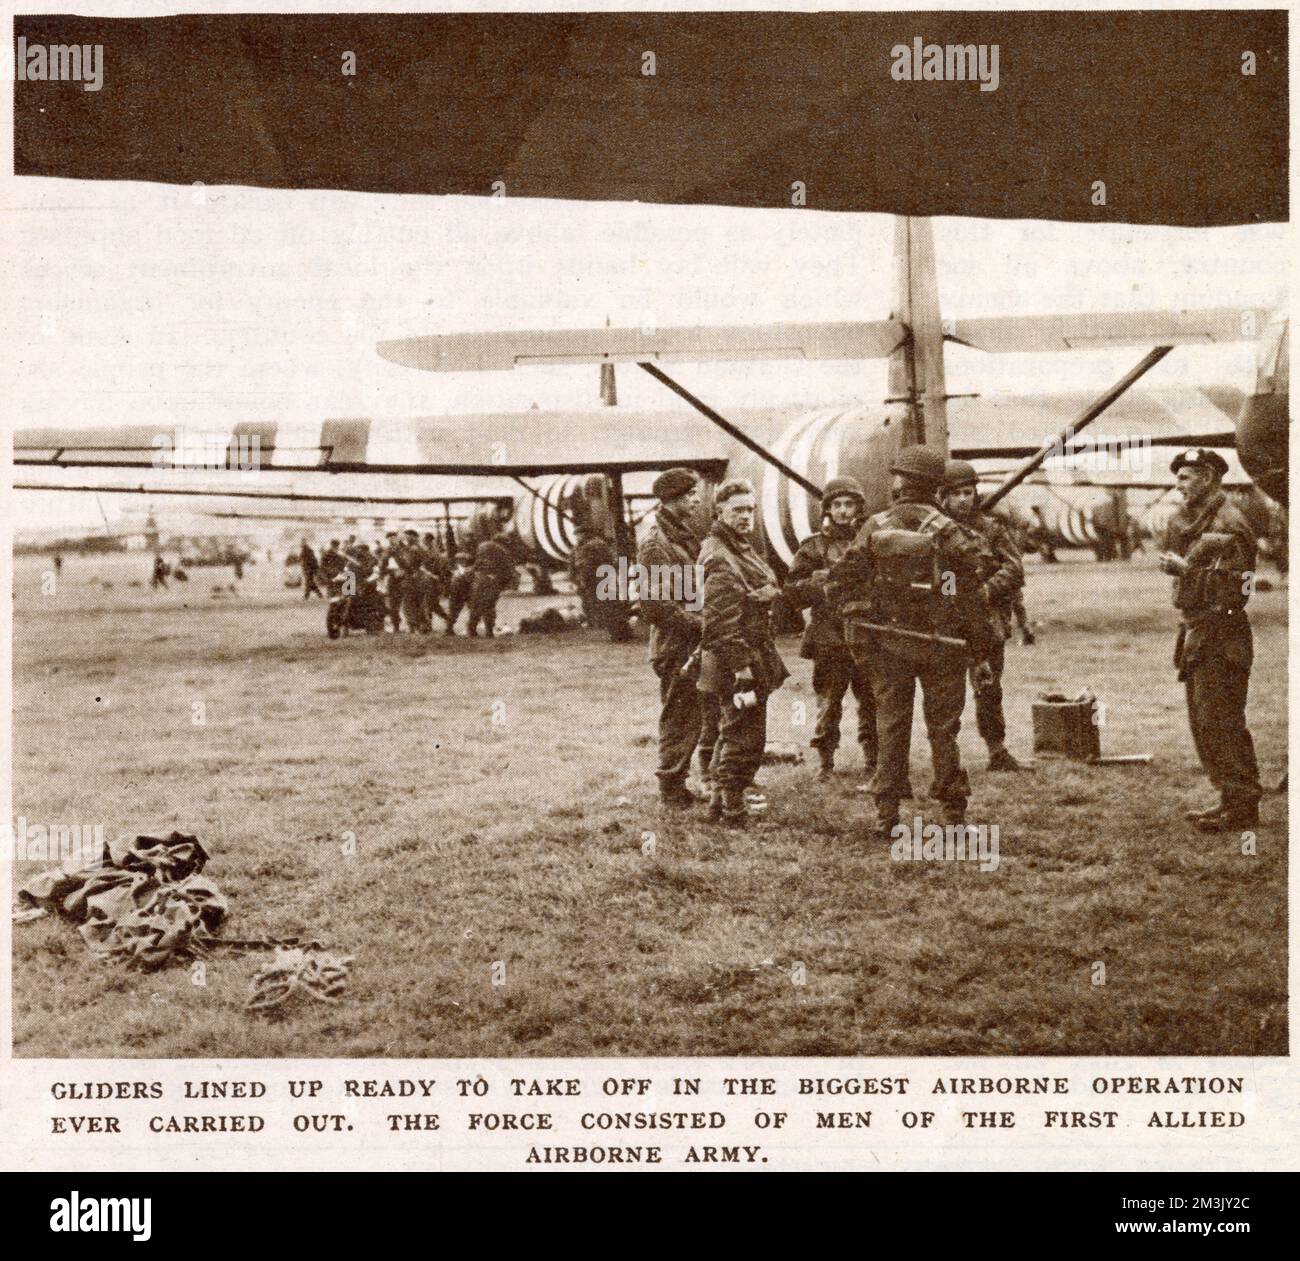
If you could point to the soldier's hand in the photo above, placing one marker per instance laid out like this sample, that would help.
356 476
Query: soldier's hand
1173 564
983 675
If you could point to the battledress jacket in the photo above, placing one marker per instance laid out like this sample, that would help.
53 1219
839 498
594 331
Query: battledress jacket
670 548
1219 546
737 632
825 632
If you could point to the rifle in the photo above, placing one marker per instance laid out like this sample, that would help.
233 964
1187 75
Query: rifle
930 638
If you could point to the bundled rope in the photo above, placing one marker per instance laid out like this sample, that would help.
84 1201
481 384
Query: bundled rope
301 970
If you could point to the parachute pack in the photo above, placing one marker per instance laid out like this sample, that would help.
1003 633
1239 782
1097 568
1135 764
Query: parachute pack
908 580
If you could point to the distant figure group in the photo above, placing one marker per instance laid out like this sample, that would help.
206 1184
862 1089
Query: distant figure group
407 580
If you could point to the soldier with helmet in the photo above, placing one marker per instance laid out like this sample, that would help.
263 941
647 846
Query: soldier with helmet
1211 556
835 670
1003 582
909 589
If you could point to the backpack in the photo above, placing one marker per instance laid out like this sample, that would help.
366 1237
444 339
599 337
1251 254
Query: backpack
906 589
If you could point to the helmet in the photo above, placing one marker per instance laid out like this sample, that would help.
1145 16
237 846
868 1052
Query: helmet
924 464
839 488
958 473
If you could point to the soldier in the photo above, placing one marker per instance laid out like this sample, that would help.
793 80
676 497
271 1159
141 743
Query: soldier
410 562
438 574
1211 556
671 549
493 572
1002 585
159 578
310 566
387 574
458 593
331 564
834 669
915 572
591 552
739 663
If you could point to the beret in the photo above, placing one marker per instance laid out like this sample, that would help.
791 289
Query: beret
673 482
1199 457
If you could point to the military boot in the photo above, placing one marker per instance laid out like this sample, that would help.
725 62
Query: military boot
883 824
735 813
826 770
1001 760
1235 817
677 797
715 805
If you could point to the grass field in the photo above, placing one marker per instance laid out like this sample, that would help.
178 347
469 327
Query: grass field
501 794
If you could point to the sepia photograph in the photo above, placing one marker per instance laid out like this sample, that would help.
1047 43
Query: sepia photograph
540 536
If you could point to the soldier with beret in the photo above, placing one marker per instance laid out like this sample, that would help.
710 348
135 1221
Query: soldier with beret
1002 582
671 548
1211 553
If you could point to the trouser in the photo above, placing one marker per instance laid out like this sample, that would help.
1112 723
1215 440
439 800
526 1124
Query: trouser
742 737
415 589
710 718
483 596
989 720
1018 611
432 603
680 707
458 595
942 677
834 673
393 602
311 584
586 584
1216 711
